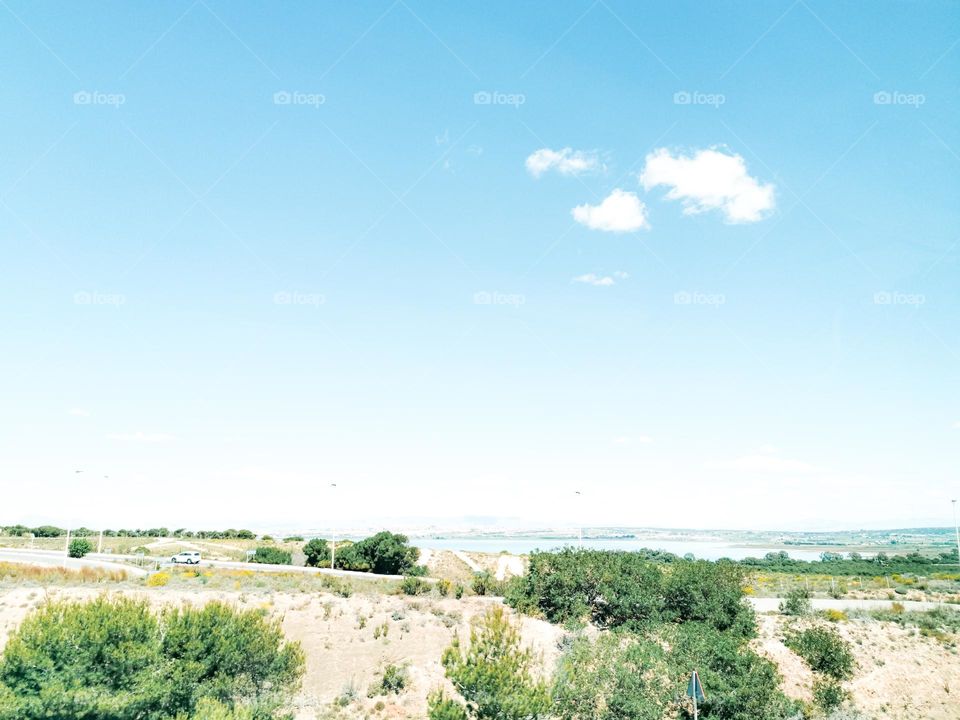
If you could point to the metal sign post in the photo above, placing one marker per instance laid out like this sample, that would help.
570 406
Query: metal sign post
695 692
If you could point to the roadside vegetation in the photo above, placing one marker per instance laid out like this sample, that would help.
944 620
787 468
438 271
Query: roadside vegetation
117 659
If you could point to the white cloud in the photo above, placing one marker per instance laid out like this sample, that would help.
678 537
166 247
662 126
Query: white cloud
600 280
78 412
620 211
566 161
765 461
956 425
709 180
630 440
140 437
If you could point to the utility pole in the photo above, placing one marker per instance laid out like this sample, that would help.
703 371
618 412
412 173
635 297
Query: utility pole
580 532
956 528
333 545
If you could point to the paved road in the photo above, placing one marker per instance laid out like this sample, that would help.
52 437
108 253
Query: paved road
773 604
52 558
112 561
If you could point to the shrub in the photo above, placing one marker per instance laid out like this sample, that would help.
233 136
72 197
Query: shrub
158 579
823 650
630 590
440 707
293 538
710 593
225 653
828 695
640 676
271 556
494 674
114 659
385 553
485 584
414 586
79 547
443 587
393 681
317 552
797 602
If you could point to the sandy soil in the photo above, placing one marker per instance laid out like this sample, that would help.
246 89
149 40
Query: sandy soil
900 674
343 639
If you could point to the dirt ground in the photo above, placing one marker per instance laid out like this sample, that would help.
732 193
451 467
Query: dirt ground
347 641
900 674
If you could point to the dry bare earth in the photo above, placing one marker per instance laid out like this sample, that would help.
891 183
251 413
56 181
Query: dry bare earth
900 675
338 637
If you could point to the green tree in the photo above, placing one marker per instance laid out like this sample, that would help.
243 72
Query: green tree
385 553
495 674
317 552
271 556
113 659
824 651
79 547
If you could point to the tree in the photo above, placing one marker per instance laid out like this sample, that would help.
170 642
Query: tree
494 674
113 659
271 556
385 553
79 547
317 552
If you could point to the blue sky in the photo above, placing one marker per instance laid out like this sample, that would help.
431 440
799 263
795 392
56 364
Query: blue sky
250 251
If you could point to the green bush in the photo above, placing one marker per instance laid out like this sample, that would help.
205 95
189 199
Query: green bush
79 547
828 694
385 553
823 650
317 552
271 556
708 592
494 674
484 583
414 586
641 677
797 602
114 659
630 590
393 681
440 707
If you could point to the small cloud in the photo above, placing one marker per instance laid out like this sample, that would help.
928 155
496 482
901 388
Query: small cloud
594 279
631 440
78 412
765 461
620 211
442 139
140 437
956 425
566 162
709 180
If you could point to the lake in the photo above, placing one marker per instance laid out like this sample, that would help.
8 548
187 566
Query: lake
702 549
